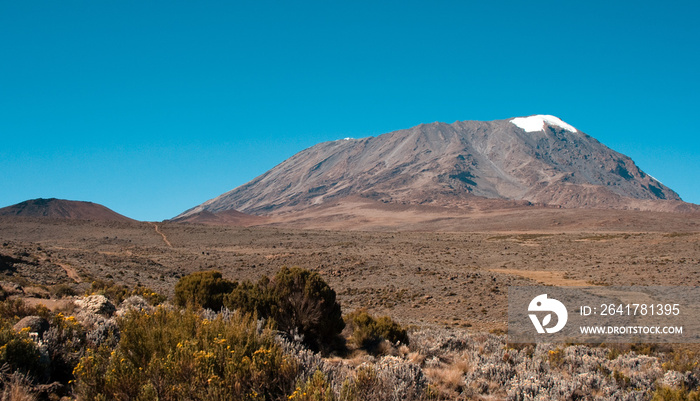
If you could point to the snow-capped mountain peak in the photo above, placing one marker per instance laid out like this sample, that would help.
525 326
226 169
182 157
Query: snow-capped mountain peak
537 123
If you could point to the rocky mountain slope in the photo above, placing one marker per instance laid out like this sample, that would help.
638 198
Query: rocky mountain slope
63 209
537 159
226 217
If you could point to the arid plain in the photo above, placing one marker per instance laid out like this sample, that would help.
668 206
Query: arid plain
420 278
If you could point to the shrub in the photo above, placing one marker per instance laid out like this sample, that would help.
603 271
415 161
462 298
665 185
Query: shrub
365 386
20 353
149 295
15 309
368 332
316 388
118 292
682 360
681 394
63 290
174 355
388 379
17 387
307 304
299 301
114 292
203 289
64 343
259 298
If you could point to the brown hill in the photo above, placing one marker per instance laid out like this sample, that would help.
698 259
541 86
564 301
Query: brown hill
63 209
536 159
226 217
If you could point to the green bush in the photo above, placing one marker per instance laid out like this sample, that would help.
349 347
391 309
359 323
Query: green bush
308 304
62 345
368 332
259 298
176 355
203 289
299 301
20 353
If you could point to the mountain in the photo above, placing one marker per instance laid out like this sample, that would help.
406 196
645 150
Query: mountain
537 159
63 209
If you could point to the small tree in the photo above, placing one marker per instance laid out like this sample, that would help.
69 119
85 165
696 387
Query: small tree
203 289
259 298
298 301
308 304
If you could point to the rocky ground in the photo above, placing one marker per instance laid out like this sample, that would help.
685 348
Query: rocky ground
424 279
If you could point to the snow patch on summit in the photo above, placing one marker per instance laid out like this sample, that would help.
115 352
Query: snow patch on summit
537 123
654 178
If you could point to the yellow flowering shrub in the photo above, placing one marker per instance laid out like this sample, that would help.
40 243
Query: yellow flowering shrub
118 292
178 355
316 388
19 353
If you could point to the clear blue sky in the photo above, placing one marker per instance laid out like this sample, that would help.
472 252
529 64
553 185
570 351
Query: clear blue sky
152 107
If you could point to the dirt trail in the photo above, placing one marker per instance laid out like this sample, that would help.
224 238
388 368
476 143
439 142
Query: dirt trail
546 277
121 253
71 272
162 235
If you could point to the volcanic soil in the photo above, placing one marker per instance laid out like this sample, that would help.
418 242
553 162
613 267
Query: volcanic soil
419 278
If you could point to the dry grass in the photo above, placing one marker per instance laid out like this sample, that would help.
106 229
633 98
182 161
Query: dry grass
17 390
449 378
416 358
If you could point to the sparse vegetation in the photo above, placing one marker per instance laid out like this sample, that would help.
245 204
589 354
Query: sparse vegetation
13 309
203 289
19 353
175 355
368 332
169 353
63 290
678 394
300 303
682 361
427 279
118 292
316 388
